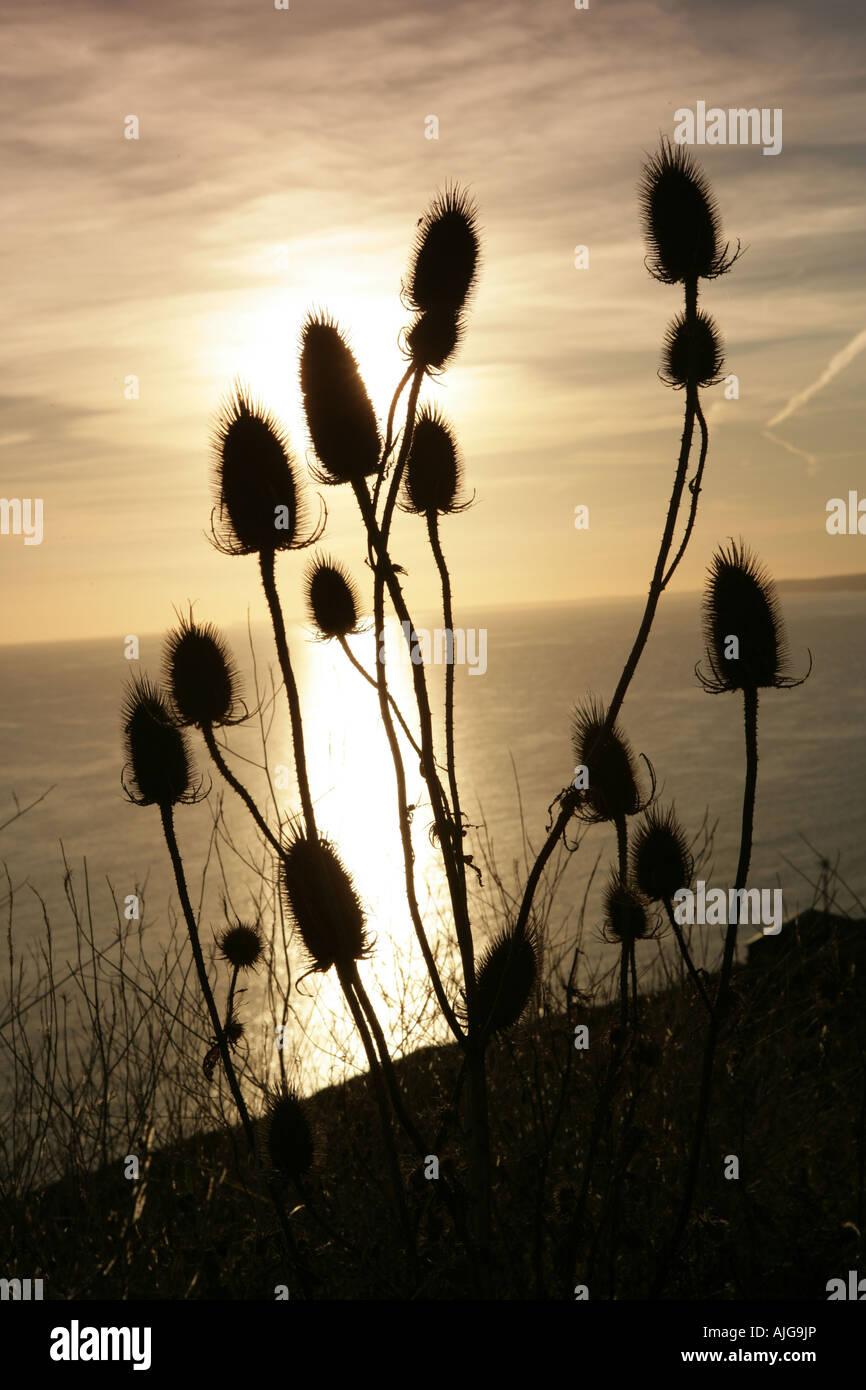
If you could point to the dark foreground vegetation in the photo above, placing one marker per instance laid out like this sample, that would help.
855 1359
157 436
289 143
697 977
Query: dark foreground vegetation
790 1106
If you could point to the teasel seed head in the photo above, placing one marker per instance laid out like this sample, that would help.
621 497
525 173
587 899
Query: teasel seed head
320 897
743 630
434 470
158 767
692 354
433 338
288 1136
661 861
261 507
332 598
681 219
613 789
241 945
445 254
201 677
626 913
505 978
340 416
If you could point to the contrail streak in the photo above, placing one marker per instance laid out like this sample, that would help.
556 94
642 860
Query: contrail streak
834 366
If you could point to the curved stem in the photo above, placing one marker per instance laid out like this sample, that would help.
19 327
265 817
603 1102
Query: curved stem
266 565
219 1032
750 718
657 585
448 615
214 750
371 680
694 489
389 438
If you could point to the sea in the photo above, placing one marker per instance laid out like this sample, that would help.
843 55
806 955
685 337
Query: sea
525 672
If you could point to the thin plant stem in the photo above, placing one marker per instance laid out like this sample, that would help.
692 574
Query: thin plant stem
266 565
371 680
657 585
345 978
219 1032
216 754
750 719
448 615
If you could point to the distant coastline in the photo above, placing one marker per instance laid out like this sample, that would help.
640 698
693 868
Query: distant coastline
825 584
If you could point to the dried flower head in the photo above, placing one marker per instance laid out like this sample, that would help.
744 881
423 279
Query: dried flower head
433 471
661 861
505 979
158 768
681 219
340 417
241 945
692 354
332 598
626 913
261 507
746 647
612 790
201 676
445 254
433 337
288 1136
320 897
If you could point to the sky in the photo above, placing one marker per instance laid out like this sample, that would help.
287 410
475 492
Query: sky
283 163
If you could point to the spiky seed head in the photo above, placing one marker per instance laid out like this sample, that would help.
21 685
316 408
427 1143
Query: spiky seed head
743 629
613 788
433 470
320 897
626 917
260 507
201 676
661 861
340 417
506 976
241 945
681 218
288 1135
433 338
157 758
692 352
445 254
332 598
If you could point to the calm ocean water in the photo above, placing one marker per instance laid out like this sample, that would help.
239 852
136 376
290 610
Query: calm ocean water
60 727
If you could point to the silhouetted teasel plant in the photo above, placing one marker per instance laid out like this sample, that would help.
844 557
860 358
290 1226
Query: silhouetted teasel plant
241 946
682 228
204 689
627 919
662 864
333 605
262 510
746 652
158 772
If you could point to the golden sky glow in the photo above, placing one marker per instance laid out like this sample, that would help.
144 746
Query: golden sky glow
282 165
